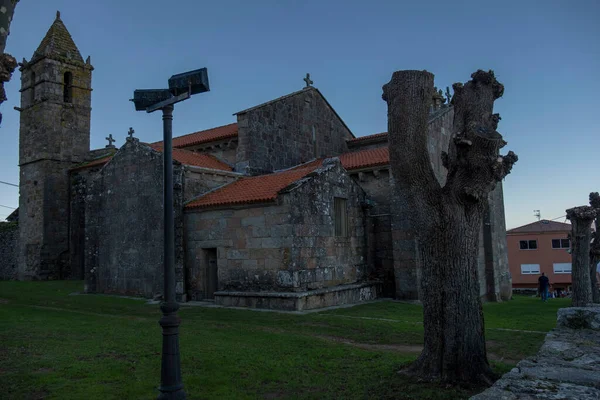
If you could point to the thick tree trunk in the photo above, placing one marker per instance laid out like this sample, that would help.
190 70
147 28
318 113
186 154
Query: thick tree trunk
446 221
581 235
454 348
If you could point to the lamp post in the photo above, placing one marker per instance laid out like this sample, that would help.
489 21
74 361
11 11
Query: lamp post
181 87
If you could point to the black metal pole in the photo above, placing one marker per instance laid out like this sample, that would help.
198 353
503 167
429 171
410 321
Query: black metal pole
171 387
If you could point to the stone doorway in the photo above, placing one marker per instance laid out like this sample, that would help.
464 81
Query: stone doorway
211 273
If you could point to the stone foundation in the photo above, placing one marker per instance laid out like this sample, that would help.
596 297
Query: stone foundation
309 300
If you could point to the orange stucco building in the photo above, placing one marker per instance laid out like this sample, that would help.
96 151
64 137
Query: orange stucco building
539 247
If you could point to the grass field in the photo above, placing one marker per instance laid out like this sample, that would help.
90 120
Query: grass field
55 345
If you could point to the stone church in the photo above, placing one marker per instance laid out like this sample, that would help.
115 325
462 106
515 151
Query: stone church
284 208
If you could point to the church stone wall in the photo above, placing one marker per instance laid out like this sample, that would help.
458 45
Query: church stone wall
376 183
197 182
124 224
289 246
279 135
9 234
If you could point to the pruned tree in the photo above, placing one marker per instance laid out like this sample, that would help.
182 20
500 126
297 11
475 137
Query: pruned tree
7 62
581 236
446 220
595 247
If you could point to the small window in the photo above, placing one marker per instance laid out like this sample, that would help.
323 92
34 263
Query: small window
530 269
32 87
528 244
561 243
68 87
562 268
341 216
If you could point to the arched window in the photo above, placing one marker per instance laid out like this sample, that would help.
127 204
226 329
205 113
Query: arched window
32 87
68 87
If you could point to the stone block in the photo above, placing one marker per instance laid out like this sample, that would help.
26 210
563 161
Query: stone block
579 317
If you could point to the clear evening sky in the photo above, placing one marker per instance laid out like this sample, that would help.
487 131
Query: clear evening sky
546 53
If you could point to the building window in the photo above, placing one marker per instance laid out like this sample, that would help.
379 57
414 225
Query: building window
32 92
530 269
561 243
341 216
68 87
562 268
528 244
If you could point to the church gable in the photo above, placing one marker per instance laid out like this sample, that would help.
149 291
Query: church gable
289 131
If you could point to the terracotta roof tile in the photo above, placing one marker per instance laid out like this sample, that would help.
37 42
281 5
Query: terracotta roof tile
368 137
256 189
365 158
93 163
209 135
542 226
187 157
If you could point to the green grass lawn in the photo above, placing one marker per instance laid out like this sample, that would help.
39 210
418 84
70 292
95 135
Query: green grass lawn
54 345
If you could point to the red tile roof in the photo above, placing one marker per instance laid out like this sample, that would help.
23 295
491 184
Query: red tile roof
256 189
209 135
365 158
93 163
368 137
542 226
187 157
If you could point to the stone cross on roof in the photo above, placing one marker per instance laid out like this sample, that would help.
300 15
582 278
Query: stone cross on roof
110 141
130 132
307 80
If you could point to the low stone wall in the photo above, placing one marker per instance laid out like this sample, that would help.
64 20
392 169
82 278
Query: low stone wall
566 367
9 233
299 301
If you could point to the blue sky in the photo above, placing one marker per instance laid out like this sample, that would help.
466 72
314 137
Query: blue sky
546 53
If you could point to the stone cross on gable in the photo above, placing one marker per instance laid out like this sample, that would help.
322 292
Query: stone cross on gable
110 141
307 80
130 132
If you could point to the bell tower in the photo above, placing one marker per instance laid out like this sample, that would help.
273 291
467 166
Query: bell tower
54 136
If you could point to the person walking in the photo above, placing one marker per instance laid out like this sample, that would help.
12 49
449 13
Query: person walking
543 283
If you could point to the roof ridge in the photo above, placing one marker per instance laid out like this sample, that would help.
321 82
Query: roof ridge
197 132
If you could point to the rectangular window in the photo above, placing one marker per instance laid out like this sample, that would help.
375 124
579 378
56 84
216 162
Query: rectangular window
528 244
561 243
530 269
562 268
341 216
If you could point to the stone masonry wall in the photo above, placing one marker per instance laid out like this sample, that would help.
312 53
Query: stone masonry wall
44 220
376 183
197 182
54 135
9 234
124 224
319 258
288 246
279 135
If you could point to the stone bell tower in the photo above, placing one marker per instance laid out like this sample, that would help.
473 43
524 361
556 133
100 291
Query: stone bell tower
54 136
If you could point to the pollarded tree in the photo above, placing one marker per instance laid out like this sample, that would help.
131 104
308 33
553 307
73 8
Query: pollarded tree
581 236
595 247
7 62
446 220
